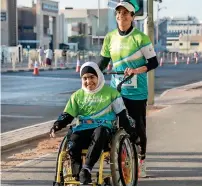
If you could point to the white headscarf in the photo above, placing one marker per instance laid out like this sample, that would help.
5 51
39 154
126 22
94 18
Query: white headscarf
101 80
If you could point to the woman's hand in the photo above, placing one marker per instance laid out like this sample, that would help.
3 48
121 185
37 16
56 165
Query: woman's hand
130 71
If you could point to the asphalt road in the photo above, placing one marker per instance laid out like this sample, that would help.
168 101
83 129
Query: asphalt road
27 100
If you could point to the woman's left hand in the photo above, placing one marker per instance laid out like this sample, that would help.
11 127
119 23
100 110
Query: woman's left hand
130 71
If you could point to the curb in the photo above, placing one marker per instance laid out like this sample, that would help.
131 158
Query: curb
185 87
179 95
12 139
24 135
22 142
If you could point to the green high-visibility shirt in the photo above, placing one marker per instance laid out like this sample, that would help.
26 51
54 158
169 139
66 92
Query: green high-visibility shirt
99 108
129 51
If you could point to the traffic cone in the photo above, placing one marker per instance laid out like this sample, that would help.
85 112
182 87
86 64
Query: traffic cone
61 64
176 62
109 67
78 66
188 60
36 68
161 62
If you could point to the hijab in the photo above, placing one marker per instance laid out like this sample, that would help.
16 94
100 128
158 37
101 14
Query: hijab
100 76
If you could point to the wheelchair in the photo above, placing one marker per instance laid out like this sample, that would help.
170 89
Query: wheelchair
120 154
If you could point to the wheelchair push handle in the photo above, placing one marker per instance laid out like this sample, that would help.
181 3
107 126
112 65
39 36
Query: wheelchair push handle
113 73
125 79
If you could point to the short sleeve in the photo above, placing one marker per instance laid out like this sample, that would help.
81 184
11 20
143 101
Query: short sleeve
117 104
72 106
105 52
147 48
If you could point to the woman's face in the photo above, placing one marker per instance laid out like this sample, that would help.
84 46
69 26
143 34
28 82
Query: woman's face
123 18
89 81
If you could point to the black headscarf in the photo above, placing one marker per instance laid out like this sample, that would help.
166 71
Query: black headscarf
88 69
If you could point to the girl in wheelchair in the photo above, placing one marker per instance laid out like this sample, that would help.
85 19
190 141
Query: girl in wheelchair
96 105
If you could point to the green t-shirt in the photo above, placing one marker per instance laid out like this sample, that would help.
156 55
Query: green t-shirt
99 108
129 51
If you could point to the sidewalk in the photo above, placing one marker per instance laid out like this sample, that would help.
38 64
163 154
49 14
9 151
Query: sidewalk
175 140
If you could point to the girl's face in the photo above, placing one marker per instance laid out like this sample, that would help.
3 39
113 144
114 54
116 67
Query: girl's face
123 18
89 81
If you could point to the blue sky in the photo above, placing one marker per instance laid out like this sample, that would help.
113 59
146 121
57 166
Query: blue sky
174 7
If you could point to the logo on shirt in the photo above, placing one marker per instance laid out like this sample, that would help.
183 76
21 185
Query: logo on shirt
90 101
121 46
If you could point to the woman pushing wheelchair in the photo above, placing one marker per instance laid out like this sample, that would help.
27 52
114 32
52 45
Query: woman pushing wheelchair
96 106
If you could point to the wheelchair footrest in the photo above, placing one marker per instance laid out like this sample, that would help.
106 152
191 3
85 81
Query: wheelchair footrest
73 182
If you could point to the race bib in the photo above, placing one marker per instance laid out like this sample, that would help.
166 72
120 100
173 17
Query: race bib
132 82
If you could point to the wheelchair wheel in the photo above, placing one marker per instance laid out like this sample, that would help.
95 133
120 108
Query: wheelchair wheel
63 165
124 161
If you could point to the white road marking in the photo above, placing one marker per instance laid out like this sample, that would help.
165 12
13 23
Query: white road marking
48 78
19 116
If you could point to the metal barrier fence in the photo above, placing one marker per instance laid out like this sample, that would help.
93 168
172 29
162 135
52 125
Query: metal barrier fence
9 60
168 57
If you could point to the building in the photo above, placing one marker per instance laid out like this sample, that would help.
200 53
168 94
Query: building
26 27
186 44
188 25
160 45
84 26
39 25
9 24
100 26
47 23
179 34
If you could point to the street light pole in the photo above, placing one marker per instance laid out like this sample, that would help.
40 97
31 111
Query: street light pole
187 35
149 30
98 21
157 23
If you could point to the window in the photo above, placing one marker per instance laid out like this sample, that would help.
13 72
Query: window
181 44
194 44
197 32
169 44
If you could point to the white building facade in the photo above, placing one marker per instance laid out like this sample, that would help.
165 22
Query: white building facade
183 34
47 11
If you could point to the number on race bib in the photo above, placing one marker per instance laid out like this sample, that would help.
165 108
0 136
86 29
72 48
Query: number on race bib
127 82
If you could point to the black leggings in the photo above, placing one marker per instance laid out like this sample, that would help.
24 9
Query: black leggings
95 140
137 110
